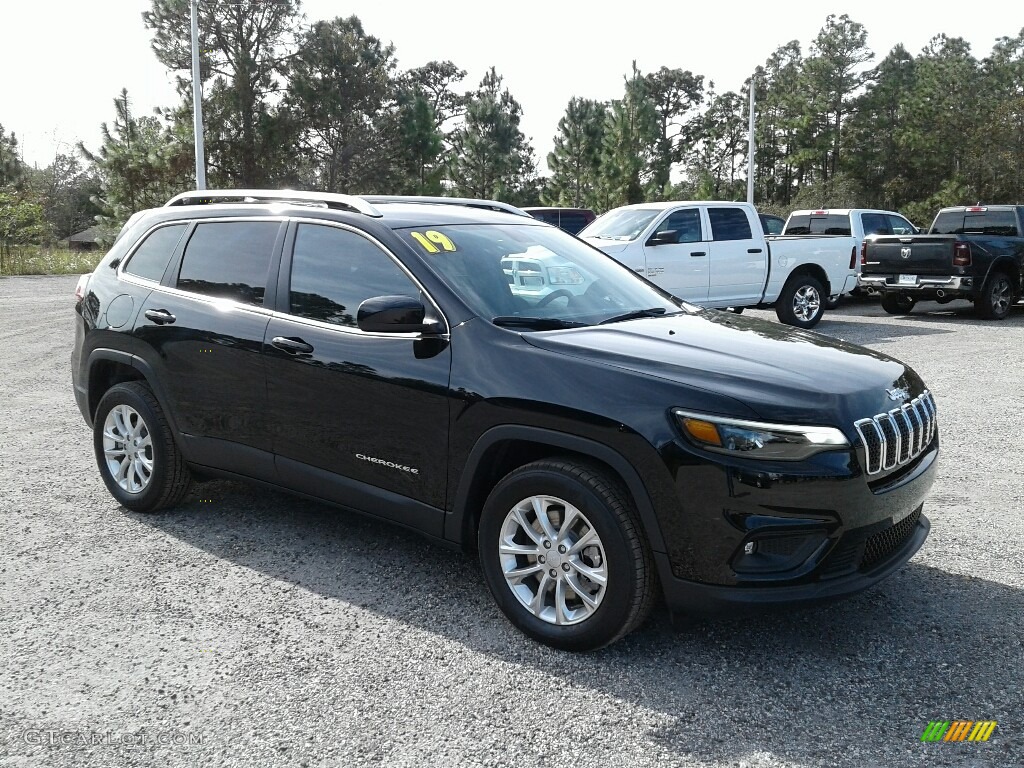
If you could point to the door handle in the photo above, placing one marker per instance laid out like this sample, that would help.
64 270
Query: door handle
160 316
753 250
698 253
291 346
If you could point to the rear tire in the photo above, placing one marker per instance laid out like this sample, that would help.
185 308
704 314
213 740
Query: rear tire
898 303
802 302
135 450
530 528
996 297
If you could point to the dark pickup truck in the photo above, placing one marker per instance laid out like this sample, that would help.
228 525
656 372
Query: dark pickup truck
971 252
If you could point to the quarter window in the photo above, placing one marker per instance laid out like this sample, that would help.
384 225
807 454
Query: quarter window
151 258
335 270
229 259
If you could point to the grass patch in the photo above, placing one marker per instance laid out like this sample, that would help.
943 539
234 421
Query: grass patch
41 260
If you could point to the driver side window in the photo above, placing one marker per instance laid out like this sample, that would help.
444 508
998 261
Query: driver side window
686 225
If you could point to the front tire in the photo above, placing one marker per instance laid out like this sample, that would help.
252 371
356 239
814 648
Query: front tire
898 303
138 460
564 555
996 297
802 302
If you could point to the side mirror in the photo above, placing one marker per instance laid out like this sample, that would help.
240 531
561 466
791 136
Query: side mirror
667 237
391 314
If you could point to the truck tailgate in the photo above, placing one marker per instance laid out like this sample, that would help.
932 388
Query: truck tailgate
917 255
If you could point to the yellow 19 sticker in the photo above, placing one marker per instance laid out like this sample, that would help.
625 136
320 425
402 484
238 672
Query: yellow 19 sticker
431 239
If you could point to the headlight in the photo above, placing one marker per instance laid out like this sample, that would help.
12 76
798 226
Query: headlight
757 440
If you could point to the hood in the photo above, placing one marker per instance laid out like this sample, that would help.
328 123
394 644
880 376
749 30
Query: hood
781 373
608 246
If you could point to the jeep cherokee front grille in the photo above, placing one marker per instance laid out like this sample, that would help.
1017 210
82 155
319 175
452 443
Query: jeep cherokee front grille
899 436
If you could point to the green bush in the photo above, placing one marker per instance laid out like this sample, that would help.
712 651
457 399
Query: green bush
42 260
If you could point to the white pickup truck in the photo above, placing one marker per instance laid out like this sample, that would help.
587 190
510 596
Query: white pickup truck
858 222
714 254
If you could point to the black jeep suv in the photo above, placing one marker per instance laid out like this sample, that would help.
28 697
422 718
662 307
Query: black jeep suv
496 384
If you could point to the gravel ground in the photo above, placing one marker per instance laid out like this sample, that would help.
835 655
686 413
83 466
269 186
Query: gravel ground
252 629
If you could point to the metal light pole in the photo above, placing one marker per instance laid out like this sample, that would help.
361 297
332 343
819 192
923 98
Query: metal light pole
197 101
750 148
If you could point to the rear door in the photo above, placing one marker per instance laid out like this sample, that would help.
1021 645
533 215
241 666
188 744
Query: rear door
358 418
205 326
680 266
738 258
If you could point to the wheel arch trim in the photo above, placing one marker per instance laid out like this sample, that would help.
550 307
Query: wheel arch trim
103 354
461 517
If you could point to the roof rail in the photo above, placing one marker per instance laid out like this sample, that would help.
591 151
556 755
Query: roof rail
468 202
299 197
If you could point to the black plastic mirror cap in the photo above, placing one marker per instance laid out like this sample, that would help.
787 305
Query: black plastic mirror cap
391 314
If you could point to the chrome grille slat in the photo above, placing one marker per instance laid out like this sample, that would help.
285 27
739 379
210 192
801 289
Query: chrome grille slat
907 447
899 436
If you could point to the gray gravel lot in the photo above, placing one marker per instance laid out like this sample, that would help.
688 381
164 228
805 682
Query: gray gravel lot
252 629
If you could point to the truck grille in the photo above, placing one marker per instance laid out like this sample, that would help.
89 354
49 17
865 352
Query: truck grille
899 436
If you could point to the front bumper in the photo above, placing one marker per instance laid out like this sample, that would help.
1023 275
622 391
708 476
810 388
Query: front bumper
691 597
942 285
791 535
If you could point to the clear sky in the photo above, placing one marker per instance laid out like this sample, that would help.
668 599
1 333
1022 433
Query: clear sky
63 61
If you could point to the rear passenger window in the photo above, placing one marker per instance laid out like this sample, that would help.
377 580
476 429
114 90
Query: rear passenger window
151 258
573 222
229 260
875 224
335 270
729 224
900 226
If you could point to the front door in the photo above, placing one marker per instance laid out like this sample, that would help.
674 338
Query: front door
677 255
358 418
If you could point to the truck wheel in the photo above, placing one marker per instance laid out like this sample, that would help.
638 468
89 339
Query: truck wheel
831 303
135 451
898 303
564 555
801 302
996 297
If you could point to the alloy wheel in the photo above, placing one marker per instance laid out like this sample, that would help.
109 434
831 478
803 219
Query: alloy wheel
553 560
1000 296
128 449
806 303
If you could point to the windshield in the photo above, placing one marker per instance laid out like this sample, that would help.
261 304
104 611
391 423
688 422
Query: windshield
621 224
536 276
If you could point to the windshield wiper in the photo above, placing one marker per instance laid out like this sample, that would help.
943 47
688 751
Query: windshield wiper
537 323
636 313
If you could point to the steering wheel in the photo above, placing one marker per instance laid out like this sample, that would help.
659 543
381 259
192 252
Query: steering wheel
559 294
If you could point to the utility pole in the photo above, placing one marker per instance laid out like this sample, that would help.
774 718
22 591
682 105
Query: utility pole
750 148
197 101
